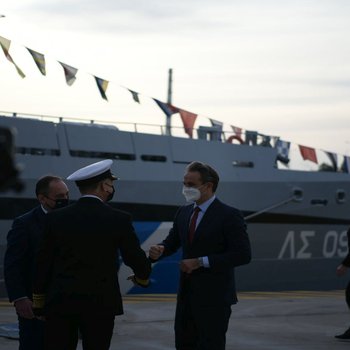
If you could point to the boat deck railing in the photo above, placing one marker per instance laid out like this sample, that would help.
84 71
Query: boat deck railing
209 133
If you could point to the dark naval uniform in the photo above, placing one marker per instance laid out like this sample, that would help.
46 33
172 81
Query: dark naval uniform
77 272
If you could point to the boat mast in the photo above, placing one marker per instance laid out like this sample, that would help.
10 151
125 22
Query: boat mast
169 100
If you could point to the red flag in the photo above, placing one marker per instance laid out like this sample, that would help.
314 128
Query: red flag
237 131
308 153
188 120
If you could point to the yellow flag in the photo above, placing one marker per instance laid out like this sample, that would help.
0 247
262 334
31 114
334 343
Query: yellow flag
5 44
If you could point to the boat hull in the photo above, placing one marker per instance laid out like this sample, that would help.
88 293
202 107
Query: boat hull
296 220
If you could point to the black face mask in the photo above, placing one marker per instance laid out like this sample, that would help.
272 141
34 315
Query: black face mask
110 195
61 203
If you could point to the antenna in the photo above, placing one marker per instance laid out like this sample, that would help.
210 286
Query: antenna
169 100
170 83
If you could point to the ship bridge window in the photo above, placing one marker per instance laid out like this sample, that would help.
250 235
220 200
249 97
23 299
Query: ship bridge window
243 164
340 196
153 158
38 151
103 155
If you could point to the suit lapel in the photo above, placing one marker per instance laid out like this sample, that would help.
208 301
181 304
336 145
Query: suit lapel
39 217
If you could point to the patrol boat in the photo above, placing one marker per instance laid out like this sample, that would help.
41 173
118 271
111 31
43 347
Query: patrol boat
297 219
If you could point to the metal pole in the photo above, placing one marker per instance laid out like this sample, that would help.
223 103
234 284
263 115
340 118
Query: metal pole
169 100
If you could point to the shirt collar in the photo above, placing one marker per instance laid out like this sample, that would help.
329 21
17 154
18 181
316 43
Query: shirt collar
204 206
44 210
91 196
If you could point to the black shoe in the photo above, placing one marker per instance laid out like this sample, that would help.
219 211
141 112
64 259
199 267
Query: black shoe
344 336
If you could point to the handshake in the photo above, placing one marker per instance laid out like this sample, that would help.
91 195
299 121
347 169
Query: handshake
138 281
155 252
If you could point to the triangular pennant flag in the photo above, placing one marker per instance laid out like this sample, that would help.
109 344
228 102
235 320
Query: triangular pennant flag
69 73
216 123
334 159
308 153
167 108
237 131
102 87
39 60
282 151
188 120
5 44
135 95
237 135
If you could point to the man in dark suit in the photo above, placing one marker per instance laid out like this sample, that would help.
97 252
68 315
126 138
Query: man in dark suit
76 285
341 271
214 241
22 243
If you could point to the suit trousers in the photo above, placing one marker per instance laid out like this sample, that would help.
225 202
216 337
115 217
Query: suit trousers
200 327
31 334
62 331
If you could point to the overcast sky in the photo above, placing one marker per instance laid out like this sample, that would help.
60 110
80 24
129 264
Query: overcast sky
281 67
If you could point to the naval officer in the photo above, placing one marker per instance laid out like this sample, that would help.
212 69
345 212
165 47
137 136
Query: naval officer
76 285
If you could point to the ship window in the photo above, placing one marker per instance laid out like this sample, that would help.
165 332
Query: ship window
243 164
103 155
297 194
340 196
38 151
153 158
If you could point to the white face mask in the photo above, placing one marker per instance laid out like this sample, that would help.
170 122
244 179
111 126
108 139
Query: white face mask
191 194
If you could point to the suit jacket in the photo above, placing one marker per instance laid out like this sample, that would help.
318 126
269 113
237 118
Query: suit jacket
77 261
22 244
221 235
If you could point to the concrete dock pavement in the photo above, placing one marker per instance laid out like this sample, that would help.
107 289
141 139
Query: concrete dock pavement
298 320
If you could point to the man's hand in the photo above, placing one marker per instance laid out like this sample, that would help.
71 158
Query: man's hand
341 270
24 308
155 251
138 281
188 265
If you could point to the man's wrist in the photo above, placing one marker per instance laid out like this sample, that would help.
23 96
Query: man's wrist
19 299
200 262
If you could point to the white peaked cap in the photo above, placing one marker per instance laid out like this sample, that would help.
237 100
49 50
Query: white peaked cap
93 173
